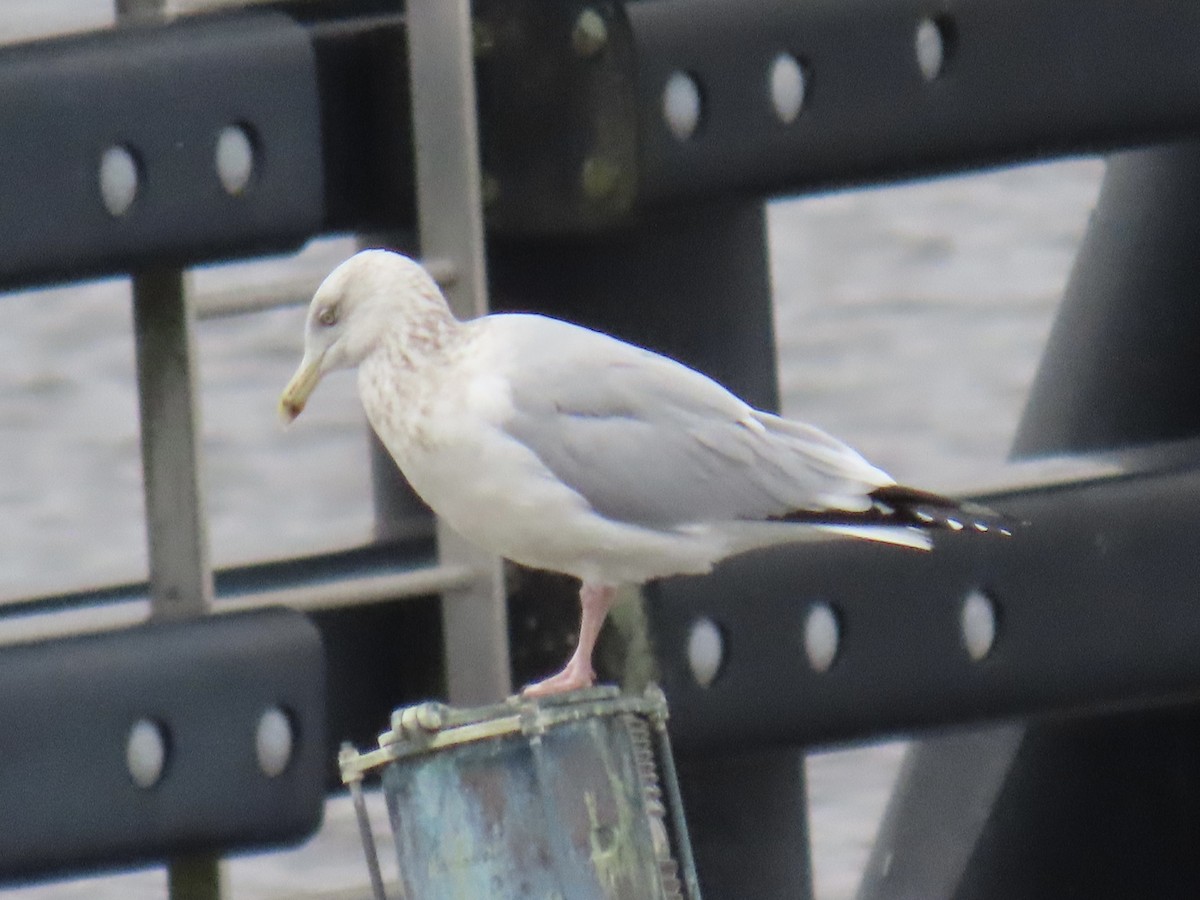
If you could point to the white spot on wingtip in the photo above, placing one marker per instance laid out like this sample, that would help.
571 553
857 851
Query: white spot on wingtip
923 516
954 524
980 527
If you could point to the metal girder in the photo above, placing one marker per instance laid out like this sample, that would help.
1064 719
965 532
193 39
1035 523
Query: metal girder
902 88
76 711
1089 605
592 113
110 146
766 98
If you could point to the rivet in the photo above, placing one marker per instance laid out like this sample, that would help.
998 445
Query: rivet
146 753
977 619
273 741
119 177
705 651
822 635
932 44
234 159
681 104
600 177
590 34
787 88
489 189
483 39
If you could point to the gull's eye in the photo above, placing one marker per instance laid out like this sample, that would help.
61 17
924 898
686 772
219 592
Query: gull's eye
327 315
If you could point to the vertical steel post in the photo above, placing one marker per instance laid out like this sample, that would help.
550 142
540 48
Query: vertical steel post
692 282
450 224
1103 806
181 582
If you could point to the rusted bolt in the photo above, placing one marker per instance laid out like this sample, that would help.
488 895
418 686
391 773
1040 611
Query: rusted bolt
483 39
489 188
600 177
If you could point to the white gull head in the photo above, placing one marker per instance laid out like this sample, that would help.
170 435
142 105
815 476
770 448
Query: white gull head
371 294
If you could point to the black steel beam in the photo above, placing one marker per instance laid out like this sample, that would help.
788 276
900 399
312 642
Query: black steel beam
158 97
375 657
572 95
1094 600
571 106
67 712
1130 318
1021 79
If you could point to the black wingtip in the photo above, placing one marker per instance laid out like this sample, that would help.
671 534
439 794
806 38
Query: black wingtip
898 505
924 509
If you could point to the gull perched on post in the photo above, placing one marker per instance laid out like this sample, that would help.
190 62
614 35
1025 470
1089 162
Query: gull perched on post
568 450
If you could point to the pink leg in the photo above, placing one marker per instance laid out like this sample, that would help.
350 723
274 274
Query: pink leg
596 600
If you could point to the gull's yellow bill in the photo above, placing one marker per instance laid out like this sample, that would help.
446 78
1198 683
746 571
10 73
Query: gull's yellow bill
298 390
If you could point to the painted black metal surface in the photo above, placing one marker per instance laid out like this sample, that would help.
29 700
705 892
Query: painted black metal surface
66 711
1095 605
573 135
374 656
1102 806
1020 80
1120 364
163 93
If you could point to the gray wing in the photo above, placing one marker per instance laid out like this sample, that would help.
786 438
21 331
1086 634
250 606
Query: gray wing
646 440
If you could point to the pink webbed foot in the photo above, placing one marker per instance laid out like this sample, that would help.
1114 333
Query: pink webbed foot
595 601
571 678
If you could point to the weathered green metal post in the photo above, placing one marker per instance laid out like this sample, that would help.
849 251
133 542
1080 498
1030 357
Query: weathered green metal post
571 796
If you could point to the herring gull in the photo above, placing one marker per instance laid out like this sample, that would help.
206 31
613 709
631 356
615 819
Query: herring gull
568 450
